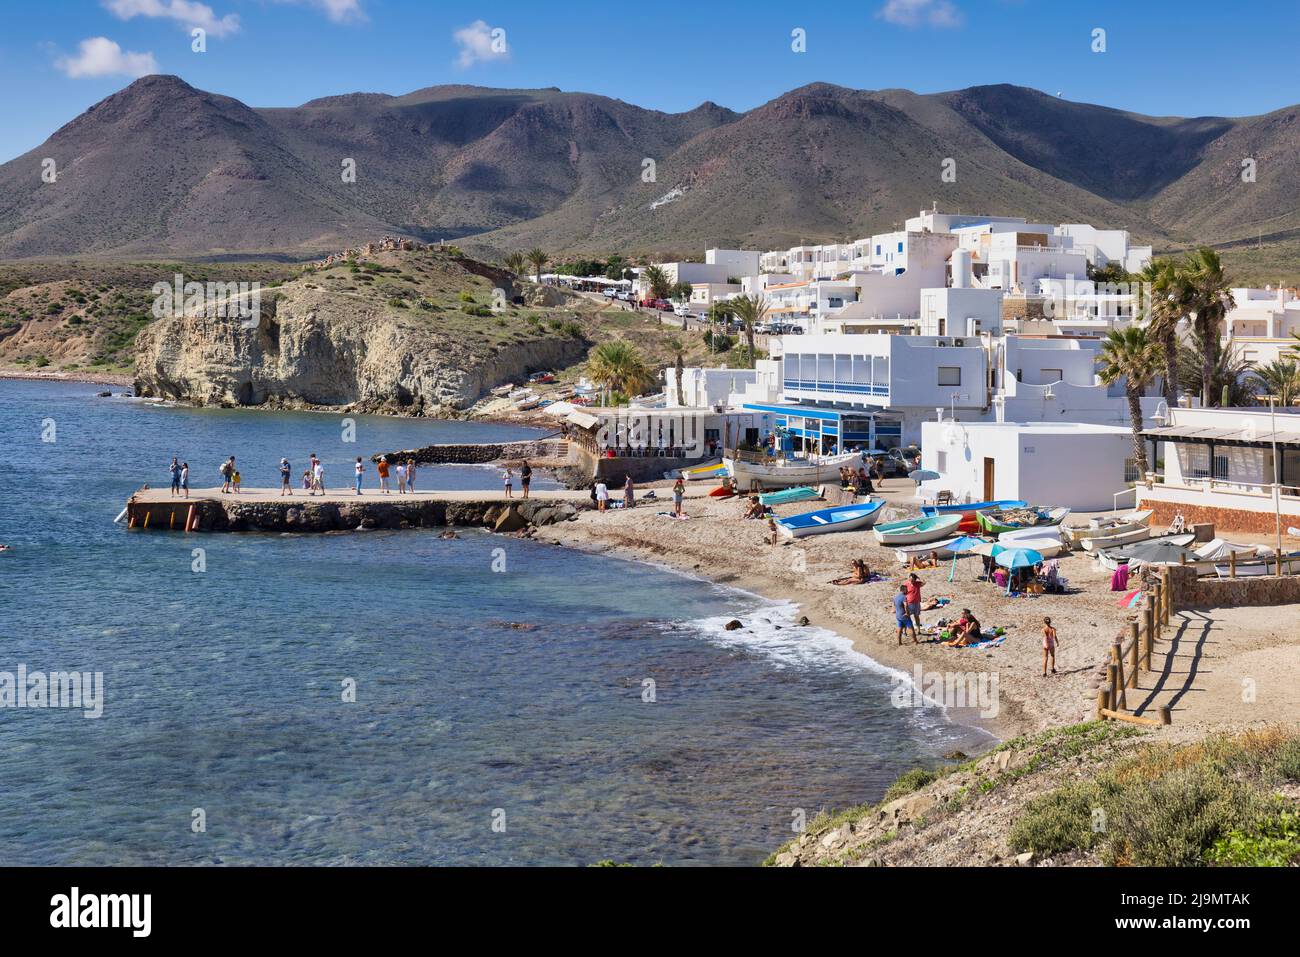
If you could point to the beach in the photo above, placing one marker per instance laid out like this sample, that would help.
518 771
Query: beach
717 544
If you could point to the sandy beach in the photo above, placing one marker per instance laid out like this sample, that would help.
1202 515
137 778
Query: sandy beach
717 544
98 378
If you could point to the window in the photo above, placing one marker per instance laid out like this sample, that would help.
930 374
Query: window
949 375
1052 375
900 247
1131 470
1221 468
877 250
941 463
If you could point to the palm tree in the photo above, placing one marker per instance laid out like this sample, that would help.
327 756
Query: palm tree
681 292
617 366
750 310
1130 355
679 365
1281 379
537 259
661 286
1163 306
515 262
1231 378
1210 298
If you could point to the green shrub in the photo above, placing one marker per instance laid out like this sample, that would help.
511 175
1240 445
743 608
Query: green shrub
908 782
1273 841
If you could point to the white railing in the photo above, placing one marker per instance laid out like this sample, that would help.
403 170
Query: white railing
1128 491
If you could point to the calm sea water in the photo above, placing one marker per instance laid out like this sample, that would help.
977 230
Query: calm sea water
500 713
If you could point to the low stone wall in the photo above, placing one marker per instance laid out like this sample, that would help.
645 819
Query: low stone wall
235 516
1191 591
474 454
641 469
1223 519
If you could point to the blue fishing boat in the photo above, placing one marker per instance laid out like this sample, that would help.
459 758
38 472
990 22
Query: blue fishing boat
801 493
842 518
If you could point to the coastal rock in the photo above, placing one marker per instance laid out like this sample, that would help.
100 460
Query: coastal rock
510 521
732 625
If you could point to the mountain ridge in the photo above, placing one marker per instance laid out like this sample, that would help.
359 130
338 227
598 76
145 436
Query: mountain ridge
161 167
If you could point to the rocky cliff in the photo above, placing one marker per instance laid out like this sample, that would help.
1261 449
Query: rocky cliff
412 332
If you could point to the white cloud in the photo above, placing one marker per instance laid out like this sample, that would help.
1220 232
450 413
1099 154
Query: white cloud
339 11
100 56
915 13
188 13
478 45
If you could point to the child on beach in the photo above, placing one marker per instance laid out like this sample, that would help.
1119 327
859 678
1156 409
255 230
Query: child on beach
1049 645
679 492
360 468
772 530
237 480
306 481
902 617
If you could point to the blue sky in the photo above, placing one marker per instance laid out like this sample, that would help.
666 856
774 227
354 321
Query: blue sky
1194 57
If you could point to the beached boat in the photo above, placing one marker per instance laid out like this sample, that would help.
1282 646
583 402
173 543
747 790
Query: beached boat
1126 537
1048 546
1101 527
915 531
906 553
997 520
747 467
970 508
800 493
842 518
713 470
1157 550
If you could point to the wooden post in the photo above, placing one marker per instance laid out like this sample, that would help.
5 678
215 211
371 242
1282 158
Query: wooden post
1232 564
1167 591
1135 635
1112 695
1165 716
1121 696
1103 702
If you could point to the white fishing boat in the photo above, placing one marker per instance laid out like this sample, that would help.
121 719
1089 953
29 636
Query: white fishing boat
750 467
1128 537
915 531
1100 527
906 553
1048 546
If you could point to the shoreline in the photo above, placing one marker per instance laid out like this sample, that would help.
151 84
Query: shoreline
91 378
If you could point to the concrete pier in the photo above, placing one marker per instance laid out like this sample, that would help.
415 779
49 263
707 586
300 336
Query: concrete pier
266 510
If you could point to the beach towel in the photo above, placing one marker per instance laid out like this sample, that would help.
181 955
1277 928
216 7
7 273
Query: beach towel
991 643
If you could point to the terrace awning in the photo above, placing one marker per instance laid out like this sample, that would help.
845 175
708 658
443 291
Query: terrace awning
1201 435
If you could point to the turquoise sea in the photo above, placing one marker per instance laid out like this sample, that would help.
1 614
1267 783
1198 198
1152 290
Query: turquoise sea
515 703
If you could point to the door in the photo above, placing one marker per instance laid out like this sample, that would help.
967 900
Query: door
988 479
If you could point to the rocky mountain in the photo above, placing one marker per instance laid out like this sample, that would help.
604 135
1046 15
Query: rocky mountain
163 168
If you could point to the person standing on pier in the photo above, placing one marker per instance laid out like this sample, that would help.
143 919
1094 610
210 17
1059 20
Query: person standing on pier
318 477
508 479
175 469
525 476
382 469
227 473
185 479
360 467
285 474
401 477
410 476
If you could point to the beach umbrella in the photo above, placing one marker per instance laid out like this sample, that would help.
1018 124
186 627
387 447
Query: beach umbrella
960 546
1017 558
987 548
923 475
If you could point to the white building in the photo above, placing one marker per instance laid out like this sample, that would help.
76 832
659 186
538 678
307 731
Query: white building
1074 464
1220 466
1105 246
738 262
1264 324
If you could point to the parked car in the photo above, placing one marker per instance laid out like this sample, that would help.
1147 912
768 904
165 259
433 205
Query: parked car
683 310
611 291
663 305
624 295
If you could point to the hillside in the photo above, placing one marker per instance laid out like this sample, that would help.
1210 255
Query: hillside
163 168
1086 795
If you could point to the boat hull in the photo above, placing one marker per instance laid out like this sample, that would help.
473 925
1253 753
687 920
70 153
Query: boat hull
1141 533
844 518
788 473
906 553
1078 534
918 531
991 523
799 493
